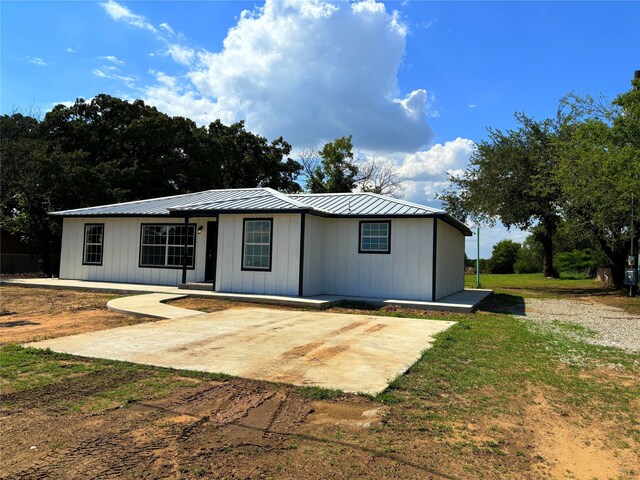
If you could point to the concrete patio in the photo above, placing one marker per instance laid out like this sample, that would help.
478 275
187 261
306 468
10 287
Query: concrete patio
353 353
463 302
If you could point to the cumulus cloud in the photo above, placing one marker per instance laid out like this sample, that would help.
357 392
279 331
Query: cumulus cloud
71 50
309 70
438 160
182 55
120 13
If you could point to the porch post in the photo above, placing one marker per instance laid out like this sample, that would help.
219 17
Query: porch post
184 250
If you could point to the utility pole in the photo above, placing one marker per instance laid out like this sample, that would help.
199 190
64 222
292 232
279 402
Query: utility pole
478 257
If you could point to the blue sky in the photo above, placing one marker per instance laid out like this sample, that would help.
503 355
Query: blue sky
416 83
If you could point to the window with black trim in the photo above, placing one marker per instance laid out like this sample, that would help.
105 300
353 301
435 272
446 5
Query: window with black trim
257 239
162 245
375 237
93 241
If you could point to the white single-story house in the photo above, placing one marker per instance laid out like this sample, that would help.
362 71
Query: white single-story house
260 241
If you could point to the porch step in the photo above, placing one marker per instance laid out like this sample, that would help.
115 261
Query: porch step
196 286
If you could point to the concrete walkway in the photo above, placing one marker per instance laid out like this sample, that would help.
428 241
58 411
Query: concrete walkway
151 304
462 302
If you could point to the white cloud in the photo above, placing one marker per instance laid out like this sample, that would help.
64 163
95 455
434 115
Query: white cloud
182 55
120 13
128 80
71 50
36 61
112 59
167 28
310 71
472 105
438 160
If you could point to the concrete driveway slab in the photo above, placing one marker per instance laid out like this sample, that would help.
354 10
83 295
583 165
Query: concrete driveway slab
354 353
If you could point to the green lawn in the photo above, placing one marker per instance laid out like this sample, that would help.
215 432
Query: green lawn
472 397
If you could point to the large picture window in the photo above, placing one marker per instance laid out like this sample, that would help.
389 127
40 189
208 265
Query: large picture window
162 245
257 239
375 237
93 242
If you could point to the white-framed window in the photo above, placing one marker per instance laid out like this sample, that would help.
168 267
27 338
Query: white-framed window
93 243
375 237
162 245
257 240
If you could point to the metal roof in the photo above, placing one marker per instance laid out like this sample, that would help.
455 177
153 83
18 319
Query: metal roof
234 199
255 200
362 203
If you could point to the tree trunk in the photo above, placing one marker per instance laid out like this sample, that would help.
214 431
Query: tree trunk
618 258
547 246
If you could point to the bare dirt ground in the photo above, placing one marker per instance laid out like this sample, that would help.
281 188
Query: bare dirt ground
192 427
31 314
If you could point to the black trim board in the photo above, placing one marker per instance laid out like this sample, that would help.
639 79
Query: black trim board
167 267
84 244
253 269
301 255
368 252
435 259
458 225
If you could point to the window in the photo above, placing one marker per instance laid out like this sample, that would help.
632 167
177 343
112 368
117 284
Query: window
375 237
257 235
93 237
162 245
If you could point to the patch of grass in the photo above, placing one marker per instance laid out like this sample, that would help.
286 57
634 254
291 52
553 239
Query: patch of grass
319 393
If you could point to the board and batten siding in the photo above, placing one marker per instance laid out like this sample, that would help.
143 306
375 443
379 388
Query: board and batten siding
121 252
404 273
313 282
283 279
450 260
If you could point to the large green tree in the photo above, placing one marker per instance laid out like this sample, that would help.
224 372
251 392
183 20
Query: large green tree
599 171
109 150
511 178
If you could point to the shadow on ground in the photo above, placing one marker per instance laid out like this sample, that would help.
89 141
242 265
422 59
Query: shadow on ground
503 303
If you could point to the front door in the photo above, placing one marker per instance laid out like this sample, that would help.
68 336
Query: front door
212 250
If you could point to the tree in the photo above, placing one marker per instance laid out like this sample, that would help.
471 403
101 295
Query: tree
380 177
332 169
599 171
511 177
109 150
504 256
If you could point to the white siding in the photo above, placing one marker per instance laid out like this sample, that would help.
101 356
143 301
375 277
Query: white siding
121 252
450 260
283 279
405 273
313 255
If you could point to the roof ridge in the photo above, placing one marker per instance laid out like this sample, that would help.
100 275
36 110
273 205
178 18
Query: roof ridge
286 197
178 207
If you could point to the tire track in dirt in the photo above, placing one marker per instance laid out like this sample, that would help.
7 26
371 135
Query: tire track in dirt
147 438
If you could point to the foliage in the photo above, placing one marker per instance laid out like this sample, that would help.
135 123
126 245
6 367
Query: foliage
504 256
599 170
335 171
529 258
577 261
109 150
510 177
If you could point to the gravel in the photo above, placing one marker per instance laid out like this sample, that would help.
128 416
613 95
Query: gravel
611 326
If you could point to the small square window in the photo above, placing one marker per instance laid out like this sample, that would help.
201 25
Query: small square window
375 237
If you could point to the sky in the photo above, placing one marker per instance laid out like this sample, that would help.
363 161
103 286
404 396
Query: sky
416 83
